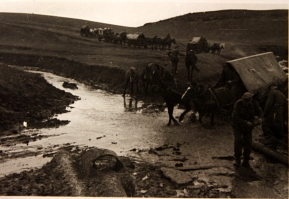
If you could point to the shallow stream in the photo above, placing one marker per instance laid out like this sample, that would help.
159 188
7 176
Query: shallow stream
99 119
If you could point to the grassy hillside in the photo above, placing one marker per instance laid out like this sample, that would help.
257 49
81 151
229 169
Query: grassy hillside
23 36
233 26
239 29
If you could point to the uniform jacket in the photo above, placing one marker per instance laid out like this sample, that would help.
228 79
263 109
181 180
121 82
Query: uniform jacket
174 54
245 113
276 104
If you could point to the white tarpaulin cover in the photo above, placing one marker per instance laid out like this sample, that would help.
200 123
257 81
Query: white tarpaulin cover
132 36
258 71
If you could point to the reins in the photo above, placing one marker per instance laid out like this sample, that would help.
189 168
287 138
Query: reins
217 101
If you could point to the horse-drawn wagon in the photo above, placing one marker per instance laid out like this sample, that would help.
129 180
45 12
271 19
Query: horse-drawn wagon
105 34
256 73
259 71
85 31
136 39
198 44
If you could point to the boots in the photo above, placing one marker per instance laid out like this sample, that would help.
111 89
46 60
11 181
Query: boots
246 163
237 162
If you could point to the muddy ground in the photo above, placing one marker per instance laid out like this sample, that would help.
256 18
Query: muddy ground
176 169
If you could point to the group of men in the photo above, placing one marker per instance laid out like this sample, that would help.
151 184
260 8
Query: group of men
247 112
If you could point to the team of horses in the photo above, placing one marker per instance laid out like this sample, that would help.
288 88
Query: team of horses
128 39
139 40
198 97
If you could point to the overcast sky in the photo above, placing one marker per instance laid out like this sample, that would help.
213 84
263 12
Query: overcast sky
131 13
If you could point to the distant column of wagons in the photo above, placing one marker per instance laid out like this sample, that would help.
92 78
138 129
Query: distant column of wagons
198 44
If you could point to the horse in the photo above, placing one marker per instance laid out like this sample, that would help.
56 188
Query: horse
166 43
119 38
190 62
131 77
153 74
169 43
216 48
173 98
152 42
208 101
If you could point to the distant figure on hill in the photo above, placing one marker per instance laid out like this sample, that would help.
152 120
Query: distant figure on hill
191 63
174 55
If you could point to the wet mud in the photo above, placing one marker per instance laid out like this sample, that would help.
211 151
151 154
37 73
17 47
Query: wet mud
153 154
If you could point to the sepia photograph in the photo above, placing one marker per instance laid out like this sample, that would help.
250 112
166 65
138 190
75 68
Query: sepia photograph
144 98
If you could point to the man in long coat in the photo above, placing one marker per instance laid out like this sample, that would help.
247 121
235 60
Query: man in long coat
275 113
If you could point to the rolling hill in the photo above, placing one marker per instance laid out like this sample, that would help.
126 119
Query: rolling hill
29 39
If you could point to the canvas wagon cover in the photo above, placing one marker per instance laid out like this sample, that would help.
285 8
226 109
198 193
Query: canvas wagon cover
258 71
197 40
132 36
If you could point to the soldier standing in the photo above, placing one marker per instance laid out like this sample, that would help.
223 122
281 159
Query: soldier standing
246 114
275 113
174 55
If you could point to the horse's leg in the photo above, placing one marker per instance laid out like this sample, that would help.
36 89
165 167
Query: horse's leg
131 88
171 117
188 70
137 88
212 118
192 70
125 86
146 85
201 115
170 112
188 108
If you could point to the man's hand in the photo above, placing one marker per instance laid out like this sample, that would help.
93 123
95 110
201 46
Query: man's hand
257 121
249 124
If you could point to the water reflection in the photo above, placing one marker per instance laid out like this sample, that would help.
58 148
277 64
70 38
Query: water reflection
130 104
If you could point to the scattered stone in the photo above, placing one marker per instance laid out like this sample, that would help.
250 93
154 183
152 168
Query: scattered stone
69 85
180 159
144 178
177 153
179 165
178 177
182 193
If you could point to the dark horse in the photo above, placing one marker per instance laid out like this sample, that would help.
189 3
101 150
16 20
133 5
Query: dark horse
151 76
119 38
131 78
173 98
165 42
191 61
208 100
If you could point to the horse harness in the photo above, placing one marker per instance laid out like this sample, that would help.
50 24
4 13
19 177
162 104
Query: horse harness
213 97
